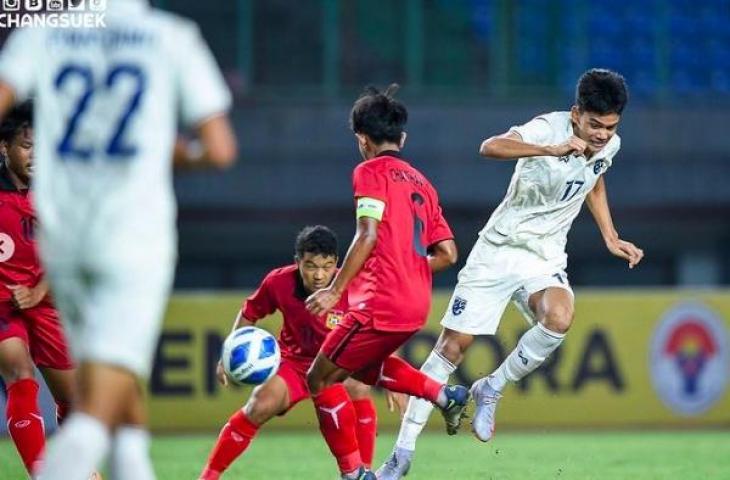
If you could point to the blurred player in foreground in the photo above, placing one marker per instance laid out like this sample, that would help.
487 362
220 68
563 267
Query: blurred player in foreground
520 254
285 289
106 115
30 330
402 238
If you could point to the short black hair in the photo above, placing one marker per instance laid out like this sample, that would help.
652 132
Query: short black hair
378 115
16 120
317 240
601 91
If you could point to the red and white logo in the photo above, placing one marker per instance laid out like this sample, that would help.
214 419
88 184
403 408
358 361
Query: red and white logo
21 423
7 247
689 358
334 413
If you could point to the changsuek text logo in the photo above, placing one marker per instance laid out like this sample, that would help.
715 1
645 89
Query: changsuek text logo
53 13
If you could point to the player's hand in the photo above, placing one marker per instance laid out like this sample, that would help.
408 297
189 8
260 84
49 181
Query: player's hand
572 146
396 401
322 301
626 250
24 297
221 374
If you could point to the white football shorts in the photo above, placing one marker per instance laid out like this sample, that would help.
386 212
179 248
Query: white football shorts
112 305
491 276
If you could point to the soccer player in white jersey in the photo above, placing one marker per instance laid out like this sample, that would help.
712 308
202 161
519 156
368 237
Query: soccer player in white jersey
520 253
107 103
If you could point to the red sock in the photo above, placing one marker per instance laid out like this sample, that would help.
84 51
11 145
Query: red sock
234 438
367 425
62 411
25 422
337 422
398 376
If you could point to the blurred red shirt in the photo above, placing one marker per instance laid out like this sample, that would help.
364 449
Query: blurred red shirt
19 260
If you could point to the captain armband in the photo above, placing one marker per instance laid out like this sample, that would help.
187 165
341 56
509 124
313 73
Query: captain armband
370 207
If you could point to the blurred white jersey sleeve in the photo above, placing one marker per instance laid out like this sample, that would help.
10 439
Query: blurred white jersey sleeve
20 61
202 91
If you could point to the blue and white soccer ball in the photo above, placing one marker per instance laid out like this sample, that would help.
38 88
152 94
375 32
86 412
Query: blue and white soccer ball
250 356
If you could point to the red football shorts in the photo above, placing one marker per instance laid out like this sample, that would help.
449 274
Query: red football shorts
40 328
294 375
357 347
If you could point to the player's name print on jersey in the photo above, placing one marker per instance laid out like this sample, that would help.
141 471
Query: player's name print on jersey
402 175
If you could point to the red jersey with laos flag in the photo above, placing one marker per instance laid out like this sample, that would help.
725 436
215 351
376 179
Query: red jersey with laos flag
302 333
393 289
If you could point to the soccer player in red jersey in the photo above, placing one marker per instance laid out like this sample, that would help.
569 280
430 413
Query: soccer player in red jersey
30 330
402 238
285 289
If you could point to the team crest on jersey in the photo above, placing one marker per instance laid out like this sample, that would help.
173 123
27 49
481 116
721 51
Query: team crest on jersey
598 166
334 318
565 158
459 306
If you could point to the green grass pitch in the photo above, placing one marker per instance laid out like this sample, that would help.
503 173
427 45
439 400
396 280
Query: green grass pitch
657 455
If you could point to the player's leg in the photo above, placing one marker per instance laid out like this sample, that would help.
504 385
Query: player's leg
62 384
105 392
24 420
367 418
123 299
475 308
275 397
553 308
50 353
144 303
335 411
129 455
554 312
443 360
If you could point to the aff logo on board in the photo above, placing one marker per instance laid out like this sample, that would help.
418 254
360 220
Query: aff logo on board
689 358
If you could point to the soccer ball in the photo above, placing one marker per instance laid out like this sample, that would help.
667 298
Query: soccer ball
250 356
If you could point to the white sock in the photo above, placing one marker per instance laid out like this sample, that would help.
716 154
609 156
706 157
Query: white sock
130 457
78 449
418 411
533 348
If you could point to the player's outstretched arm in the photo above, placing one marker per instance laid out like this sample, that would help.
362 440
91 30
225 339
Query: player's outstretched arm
510 146
366 237
442 255
215 147
597 201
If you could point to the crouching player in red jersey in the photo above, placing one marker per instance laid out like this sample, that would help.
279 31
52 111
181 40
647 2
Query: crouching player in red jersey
30 330
285 289
401 239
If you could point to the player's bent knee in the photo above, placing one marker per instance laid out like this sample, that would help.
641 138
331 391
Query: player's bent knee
453 346
12 375
17 370
357 390
260 410
315 382
558 319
